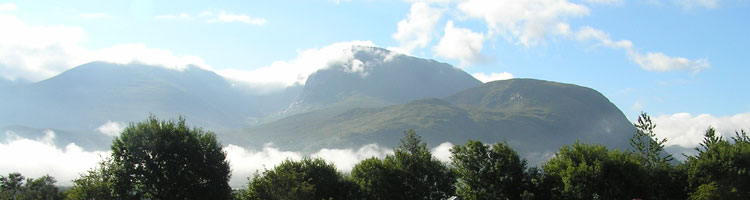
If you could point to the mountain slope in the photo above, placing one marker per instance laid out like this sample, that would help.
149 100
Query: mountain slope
86 96
382 75
535 117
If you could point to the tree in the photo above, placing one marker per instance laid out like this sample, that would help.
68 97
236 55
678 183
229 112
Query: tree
412 173
168 160
376 179
666 181
305 179
584 171
646 145
486 172
97 183
14 187
11 186
721 170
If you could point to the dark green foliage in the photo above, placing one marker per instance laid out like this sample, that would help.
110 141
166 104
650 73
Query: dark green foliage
486 172
721 170
646 145
376 179
96 183
14 187
305 179
168 160
584 171
411 173
665 180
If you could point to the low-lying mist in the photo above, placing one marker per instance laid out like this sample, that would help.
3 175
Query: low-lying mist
36 157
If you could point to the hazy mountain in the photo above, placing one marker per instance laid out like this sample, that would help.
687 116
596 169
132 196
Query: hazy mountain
383 78
535 117
85 97
370 96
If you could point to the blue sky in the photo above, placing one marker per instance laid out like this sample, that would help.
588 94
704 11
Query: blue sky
679 60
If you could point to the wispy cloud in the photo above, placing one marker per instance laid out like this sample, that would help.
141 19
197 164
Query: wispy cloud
8 7
284 73
687 130
689 4
225 17
39 157
418 29
524 23
652 61
492 76
93 15
33 53
183 16
460 43
111 128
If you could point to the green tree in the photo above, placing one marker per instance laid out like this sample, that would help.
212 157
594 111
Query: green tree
376 179
584 171
305 179
412 170
721 169
666 181
168 160
11 186
486 172
97 183
646 145
14 187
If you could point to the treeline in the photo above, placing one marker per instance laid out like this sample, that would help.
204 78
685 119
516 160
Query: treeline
168 160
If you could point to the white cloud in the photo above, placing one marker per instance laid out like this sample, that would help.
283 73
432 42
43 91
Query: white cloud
35 53
93 15
228 17
687 130
345 159
139 52
606 2
111 128
523 22
587 33
8 7
418 29
173 16
36 158
660 62
339 1
245 163
461 44
286 73
443 152
492 76
689 4
652 61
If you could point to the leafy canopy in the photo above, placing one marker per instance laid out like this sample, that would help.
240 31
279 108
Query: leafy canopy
168 160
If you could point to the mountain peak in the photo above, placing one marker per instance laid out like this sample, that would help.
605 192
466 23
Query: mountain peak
386 75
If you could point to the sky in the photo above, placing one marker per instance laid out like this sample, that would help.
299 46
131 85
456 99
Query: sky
682 61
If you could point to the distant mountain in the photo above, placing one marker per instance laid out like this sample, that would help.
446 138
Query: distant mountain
535 117
85 97
383 77
370 96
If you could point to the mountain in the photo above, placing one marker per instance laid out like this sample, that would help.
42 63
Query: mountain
87 96
380 77
370 95
535 117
